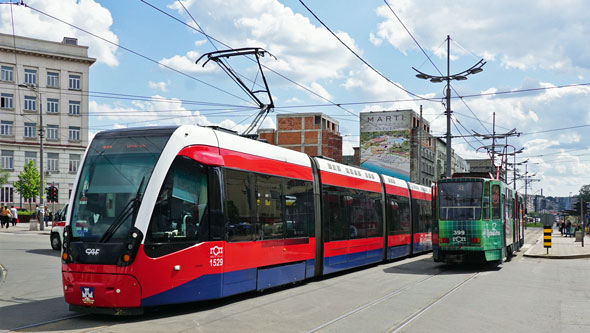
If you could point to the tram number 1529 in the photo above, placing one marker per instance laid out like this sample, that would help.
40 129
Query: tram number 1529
217 262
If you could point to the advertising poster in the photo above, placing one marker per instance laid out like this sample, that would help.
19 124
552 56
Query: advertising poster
385 142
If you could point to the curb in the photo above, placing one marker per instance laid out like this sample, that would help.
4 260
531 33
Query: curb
550 256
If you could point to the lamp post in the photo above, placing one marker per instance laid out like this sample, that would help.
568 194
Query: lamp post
38 95
448 78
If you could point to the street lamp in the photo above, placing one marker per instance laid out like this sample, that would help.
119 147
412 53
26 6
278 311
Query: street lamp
440 78
38 95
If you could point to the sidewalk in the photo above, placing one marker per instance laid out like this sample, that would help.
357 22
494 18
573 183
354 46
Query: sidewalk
561 247
23 228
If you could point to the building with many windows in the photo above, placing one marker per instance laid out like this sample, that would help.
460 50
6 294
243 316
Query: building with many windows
315 134
48 79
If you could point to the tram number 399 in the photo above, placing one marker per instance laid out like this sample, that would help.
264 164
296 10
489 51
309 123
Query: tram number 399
216 262
459 236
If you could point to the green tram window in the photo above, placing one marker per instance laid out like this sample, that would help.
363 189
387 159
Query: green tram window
460 201
486 201
496 209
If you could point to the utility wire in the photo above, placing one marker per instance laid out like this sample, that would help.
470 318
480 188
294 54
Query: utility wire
429 59
363 60
136 53
264 66
457 128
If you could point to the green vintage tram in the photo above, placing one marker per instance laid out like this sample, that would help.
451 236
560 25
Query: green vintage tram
477 220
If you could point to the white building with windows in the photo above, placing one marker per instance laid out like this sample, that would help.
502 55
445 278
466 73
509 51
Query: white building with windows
59 70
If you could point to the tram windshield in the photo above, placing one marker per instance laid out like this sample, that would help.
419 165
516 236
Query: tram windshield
460 201
113 179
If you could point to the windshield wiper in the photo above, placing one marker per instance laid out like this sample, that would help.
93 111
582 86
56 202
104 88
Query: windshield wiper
129 209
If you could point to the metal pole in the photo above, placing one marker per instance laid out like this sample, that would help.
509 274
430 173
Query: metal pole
582 218
526 198
514 170
494 143
420 148
449 157
41 133
506 162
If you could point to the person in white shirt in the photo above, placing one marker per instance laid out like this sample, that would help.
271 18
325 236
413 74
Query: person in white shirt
14 213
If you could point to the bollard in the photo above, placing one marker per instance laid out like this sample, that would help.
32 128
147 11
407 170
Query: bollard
33 225
547 238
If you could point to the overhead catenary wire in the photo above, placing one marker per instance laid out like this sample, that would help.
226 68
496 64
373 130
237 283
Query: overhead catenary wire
429 59
134 52
361 58
264 66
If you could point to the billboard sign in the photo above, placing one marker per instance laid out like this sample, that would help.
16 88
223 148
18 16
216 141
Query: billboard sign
385 142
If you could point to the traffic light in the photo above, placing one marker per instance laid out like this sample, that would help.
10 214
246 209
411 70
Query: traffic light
54 193
48 193
576 206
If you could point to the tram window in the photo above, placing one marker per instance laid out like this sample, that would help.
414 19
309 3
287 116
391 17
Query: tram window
240 221
367 215
486 201
269 208
215 204
422 212
299 208
460 201
496 210
399 212
336 219
180 214
351 214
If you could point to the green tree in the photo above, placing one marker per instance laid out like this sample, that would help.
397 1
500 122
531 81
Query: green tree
585 193
4 177
28 182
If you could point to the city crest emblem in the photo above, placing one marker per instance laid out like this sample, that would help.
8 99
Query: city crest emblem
87 295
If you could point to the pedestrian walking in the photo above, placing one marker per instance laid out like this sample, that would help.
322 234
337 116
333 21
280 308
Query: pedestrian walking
568 228
37 212
561 227
14 213
46 216
5 216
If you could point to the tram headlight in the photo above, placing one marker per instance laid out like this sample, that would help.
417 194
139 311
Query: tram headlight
131 247
65 256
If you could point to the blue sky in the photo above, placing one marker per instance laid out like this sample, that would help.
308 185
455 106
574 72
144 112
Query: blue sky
527 44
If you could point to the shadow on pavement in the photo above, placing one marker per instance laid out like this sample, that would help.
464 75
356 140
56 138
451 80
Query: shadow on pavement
47 252
429 267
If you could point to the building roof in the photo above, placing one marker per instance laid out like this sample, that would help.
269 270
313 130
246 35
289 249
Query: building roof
44 48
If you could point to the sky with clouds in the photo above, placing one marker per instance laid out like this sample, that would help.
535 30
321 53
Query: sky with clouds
147 74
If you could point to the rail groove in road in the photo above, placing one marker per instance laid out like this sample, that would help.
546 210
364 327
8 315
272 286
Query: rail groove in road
378 300
398 291
418 313
47 322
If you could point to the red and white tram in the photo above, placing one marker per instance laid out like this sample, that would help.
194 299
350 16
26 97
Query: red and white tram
179 214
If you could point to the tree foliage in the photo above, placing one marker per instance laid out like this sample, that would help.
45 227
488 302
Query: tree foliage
4 177
28 182
585 193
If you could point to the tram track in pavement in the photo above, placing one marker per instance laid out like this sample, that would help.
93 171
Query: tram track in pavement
47 322
400 324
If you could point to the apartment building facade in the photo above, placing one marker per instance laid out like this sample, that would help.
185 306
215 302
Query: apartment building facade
40 78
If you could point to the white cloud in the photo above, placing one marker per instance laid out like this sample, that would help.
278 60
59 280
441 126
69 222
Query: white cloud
162 86
488 29
306 52
186 63
86 14
375 40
